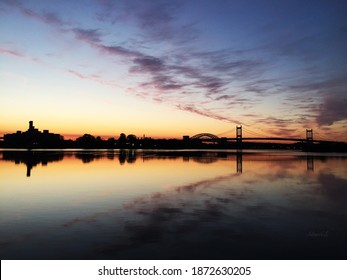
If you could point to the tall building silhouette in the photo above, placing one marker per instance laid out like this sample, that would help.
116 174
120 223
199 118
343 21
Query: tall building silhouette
32 138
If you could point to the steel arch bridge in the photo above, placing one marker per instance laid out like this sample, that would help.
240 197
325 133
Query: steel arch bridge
205 135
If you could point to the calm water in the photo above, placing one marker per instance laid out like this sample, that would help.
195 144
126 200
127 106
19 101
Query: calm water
172 205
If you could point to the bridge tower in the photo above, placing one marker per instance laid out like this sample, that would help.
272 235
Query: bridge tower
239 134
309 135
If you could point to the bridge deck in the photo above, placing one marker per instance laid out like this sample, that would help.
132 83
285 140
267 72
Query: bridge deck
270 139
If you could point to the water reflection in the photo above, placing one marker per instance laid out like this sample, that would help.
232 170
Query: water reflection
128 156
239 162
132 204
33 158
310 163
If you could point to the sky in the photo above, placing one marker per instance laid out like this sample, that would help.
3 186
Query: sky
172 68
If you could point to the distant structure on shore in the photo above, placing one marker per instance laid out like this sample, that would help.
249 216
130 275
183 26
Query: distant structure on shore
33 138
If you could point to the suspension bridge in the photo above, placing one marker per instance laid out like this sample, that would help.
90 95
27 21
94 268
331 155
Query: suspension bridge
208 137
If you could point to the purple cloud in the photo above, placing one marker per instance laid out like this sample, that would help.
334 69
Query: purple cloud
117 50
165 83
156 19
90 36
147 64
93 37
333 109
49 18
45 17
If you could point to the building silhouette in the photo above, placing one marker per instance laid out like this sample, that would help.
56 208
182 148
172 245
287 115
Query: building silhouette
33 138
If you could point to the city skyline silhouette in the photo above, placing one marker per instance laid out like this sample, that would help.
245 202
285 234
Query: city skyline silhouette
33 138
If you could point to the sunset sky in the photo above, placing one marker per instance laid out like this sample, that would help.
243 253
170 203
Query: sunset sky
174 68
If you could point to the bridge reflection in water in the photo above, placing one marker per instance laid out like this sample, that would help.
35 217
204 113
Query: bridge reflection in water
239 162
34 158
309 160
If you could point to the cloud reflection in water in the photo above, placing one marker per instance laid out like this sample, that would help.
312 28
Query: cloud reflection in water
274 209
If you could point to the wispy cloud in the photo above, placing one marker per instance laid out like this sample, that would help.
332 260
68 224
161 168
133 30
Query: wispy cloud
147 64
11 52
157 20
50 18
167 64
209 75
94 77
206 113
91 36
46 17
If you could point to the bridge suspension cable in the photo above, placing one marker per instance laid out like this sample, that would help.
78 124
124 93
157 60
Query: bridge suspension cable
225 132
320 136
254 133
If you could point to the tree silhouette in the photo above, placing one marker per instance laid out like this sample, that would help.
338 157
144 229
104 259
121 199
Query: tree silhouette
86 141
111 142
121 142
131 140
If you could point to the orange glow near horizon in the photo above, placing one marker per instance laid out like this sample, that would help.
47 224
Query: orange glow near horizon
73 131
